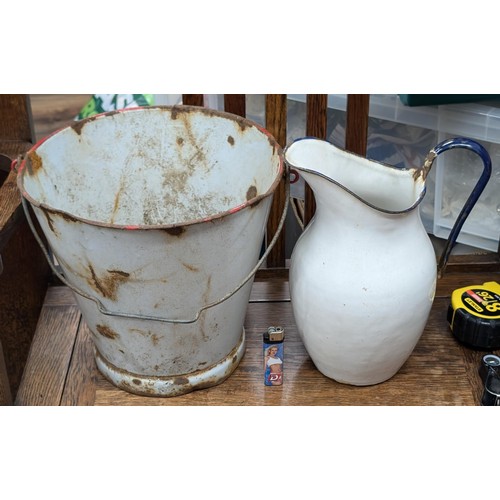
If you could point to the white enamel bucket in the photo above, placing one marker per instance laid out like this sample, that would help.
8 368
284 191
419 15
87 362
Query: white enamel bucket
156 217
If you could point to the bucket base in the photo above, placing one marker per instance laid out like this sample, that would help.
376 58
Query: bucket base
172 386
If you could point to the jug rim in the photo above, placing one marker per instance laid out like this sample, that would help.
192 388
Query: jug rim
243 122
415 172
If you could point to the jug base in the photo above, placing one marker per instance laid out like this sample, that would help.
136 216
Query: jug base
177 385
360 380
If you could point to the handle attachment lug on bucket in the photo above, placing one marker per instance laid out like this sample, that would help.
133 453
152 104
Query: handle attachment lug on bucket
108 312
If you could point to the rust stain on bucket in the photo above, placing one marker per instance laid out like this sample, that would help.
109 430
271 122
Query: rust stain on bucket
243 123
180 381
35 163
251 193
78 126
68 217
107 285
176 231
178 384
50 222
107 332
191 268
116 203
155 339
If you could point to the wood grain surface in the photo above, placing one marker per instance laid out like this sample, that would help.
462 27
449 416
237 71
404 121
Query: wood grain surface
276 112
193 99
16 123
52 112
5 392
23 282
440 371
24 273
51 351
356 133
235 103
79 389
316 126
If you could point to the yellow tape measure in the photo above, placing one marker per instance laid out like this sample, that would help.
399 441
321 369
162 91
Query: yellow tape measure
474 315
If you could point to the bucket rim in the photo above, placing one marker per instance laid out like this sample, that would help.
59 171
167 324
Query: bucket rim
243 122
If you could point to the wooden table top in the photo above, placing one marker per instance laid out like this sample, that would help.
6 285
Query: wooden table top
61 369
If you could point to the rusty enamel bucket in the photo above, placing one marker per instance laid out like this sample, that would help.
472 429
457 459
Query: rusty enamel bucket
156 217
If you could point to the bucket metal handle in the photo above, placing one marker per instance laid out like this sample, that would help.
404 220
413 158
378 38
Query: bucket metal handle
104 310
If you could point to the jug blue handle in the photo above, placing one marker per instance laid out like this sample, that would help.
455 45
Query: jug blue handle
471 145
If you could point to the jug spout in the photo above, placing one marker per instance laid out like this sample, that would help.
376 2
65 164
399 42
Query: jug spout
382 187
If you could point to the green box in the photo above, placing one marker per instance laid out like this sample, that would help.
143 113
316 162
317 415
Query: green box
436 99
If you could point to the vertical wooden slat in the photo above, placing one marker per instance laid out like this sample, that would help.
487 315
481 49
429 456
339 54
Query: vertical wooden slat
235 103
5 393
16 123
192 99
46 370
316 127
79 389
23 284
276 112
25 274
358 108
316 115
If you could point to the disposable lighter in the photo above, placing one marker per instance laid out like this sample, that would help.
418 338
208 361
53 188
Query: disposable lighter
274 355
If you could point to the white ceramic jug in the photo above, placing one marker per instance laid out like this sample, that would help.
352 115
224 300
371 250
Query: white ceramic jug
363 274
